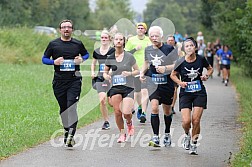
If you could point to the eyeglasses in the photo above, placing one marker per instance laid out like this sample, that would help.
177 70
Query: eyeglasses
65 27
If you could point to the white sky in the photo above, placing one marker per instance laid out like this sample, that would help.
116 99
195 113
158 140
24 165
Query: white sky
137 5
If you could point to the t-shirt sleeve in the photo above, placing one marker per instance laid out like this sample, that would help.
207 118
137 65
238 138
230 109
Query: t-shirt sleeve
94 55
83 50
177 66
129 46
49 51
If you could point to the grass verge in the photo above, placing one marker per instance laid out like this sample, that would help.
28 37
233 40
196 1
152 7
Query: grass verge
29 112
244 88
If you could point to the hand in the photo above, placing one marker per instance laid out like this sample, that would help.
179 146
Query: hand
78 60
142 78
138 47
183 84
161 69
126 73
58 61
92 75
204 77
106 76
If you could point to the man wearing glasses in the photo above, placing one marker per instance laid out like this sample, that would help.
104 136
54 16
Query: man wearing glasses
136 46
67 54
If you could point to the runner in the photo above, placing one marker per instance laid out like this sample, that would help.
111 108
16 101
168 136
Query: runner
171 41
136 46
159 84
67 79
225 57
102 86
124 68
192 92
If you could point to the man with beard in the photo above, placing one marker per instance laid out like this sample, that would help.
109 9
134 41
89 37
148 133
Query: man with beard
67 54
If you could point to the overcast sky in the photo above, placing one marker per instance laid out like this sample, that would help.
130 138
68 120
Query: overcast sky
137 5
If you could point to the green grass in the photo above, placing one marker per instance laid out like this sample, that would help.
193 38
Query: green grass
23 46
29 112
244 88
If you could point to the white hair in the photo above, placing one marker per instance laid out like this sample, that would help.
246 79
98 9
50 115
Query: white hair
156 28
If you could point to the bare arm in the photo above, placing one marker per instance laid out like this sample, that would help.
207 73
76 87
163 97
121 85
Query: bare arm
94 61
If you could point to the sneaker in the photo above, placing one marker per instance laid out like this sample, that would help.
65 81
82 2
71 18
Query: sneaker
133 111
143 118
167 140
154 142
106 125
65 136
193 149
226 83
186 142
122 138
173 111
139 112
70 141
130 129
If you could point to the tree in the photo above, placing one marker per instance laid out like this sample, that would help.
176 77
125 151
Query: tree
108 12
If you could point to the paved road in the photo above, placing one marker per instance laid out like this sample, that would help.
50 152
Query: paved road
218 143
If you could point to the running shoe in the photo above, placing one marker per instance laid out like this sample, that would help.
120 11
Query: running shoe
70 141
226 83
173 111
193 149
167 140
143 118
154 142
130 129
133 111
139 112
106 125
186 142
122 138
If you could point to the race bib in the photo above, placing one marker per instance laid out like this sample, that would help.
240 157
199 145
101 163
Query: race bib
67 65
193 86
159 78
118 80
209 54
102 67
225 62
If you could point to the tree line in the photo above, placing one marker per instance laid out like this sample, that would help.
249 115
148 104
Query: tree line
230 20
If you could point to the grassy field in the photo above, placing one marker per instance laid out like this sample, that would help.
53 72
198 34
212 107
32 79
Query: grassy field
244 88
29 112
28 109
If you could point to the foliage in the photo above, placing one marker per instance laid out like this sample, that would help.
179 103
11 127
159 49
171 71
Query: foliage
108 12
43 12
231 21
184 14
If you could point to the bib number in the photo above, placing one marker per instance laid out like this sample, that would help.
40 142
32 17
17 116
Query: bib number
225 62
193 86
67 65
118 80
102 67
159 78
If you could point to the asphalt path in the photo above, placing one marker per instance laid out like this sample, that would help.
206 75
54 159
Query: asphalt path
95 147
